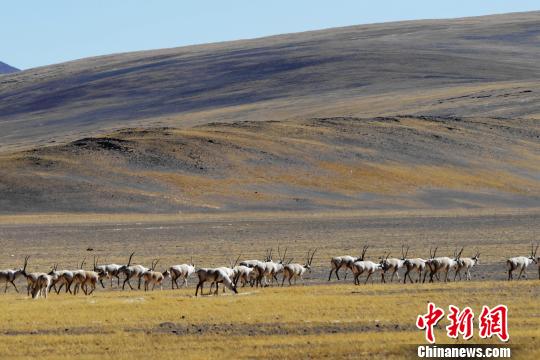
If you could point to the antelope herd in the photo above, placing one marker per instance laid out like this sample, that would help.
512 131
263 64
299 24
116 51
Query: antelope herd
258 273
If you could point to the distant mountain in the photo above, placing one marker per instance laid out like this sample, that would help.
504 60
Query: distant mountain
7 69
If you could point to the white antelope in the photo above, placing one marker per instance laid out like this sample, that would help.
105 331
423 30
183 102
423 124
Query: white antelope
368 267
244 274
394 264
346 261
443 264
259 268
467 264
521 263
272 268
214 276
132 271
182 271
108 271
295 271
10 275
41 286
154 277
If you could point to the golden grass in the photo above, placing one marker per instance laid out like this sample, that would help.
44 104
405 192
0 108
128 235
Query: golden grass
315 321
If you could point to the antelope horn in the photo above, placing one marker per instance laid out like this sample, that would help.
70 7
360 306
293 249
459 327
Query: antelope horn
461 251
25 262
236 262
155 264
435 252
406 252
312 255
284 254
130 257
82 262
279 252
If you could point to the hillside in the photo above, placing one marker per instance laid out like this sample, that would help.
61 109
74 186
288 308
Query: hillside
483 66
401 162
409 115
7 69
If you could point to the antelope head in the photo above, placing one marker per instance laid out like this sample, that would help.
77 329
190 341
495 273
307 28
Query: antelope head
282 257
476 257
404 253
432 255
309 259
53 269
534 250
364 249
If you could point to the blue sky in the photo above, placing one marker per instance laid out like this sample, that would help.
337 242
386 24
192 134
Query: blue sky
36 33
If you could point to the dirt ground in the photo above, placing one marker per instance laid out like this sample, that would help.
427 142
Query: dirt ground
216 242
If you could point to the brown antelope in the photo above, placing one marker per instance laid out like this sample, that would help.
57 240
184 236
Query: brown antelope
154 277
295 271
85 279
10 275
62 278
521 263
467 264
214 276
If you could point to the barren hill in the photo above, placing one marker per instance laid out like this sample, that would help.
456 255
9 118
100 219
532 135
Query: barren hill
485 66
420 114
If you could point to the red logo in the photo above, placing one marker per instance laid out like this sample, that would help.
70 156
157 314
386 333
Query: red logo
460 322
494 322
491 322
429 320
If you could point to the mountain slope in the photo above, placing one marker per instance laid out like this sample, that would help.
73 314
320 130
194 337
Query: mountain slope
484 66
7 69
400 162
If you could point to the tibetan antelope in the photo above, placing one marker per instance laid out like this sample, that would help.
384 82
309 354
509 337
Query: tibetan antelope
346 261
365 266
132 271
259 268
394 264
154 277
108 271
272 268
521 263
62 278
443 264
10 275
230 271
42 286
467 264
416 264
182 271
295 271
214 276
85 279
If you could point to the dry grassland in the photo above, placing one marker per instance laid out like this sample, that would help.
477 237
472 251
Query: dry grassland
337 321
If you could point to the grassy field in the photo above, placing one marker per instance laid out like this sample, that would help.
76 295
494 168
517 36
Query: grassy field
308 321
